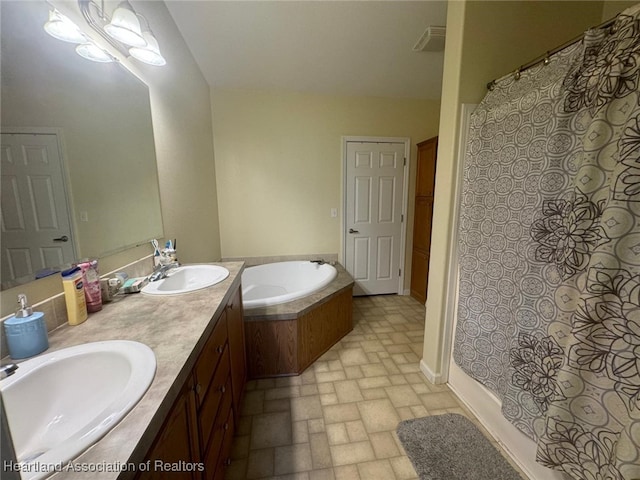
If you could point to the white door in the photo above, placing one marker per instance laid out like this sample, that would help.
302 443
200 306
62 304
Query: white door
374 203
36 225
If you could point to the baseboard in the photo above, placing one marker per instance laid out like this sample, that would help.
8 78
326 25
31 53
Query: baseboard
406 291
433 377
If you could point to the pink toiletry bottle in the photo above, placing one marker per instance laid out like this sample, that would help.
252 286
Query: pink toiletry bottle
92 290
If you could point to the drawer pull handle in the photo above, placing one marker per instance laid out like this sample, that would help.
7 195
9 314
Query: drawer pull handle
231 306
223 389
227 462
219 348
226 426
198 388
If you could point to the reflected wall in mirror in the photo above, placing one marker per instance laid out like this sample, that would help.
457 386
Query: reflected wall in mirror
79 175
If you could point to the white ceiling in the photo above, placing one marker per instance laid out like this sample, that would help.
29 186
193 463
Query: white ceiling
334 47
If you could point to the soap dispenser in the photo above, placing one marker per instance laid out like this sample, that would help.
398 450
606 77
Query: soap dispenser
26 332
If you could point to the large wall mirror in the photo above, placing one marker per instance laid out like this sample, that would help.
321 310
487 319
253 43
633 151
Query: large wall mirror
79 176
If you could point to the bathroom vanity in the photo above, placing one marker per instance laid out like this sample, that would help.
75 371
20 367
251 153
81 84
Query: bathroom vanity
198 431
184 423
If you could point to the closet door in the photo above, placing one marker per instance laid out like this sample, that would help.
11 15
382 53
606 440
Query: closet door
423 212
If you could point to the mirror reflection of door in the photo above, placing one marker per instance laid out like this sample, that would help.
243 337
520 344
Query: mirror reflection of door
36 224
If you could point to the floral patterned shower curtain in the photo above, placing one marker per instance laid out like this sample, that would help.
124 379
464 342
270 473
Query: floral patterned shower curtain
549 289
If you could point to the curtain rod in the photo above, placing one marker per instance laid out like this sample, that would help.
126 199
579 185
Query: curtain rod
545 58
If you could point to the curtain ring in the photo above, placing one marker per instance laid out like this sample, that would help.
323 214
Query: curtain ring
516 74
546 60
491 85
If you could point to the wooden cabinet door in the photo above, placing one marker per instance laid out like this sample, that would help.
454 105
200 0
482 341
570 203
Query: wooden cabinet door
426 171
177 441
419 275
422 227
237 351
425 186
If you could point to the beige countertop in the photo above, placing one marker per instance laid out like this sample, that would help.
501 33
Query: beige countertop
175 328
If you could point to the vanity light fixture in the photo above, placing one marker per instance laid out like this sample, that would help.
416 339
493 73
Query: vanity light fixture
92 52
149 54
127 31
62 28
125 27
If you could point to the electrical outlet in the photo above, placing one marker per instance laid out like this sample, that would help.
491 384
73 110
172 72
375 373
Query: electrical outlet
84 216
334 212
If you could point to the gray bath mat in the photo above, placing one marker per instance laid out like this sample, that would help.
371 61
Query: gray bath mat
450 447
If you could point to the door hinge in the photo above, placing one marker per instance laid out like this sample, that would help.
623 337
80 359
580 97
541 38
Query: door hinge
399 272
401 218
405 162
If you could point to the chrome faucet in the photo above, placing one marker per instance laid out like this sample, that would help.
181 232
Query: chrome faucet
161 271
319 262
7 370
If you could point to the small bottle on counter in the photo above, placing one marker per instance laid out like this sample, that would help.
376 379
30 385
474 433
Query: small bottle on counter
74 295
26 331
91 282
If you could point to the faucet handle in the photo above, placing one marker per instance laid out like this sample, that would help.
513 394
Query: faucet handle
7 370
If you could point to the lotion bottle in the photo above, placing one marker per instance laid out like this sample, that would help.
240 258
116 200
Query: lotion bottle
91 282
74 296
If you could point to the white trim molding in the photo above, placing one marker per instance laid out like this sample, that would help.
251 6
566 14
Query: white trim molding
433 377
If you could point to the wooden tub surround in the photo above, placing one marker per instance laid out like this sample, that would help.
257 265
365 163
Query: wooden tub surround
283 340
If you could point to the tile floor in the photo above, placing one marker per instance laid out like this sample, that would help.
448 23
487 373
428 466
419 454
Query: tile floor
338 419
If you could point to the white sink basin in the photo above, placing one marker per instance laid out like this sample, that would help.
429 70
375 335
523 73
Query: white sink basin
187 278
59 404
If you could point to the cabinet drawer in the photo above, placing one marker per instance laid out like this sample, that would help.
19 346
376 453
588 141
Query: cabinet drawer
224 460
210 357
217 394
221 428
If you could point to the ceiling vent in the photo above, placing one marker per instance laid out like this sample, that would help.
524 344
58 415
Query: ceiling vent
432 40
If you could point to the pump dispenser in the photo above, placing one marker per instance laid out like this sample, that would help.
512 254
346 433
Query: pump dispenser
26 331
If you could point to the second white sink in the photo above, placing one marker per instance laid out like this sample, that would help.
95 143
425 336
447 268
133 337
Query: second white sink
187 278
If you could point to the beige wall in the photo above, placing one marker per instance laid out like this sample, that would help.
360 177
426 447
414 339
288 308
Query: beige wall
180 108
612 7
278 158
181 114
485 40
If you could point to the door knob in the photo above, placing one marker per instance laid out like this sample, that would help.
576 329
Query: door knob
63 238
351 230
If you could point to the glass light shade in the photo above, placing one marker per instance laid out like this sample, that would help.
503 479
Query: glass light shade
149 54
92 52
125 27
62 28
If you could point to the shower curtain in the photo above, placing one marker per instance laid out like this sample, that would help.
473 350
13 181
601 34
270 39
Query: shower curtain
549 253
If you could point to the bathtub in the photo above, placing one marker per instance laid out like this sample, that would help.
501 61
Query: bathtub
281 282
298 310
